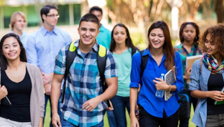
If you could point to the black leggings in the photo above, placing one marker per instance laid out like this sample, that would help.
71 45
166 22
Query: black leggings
147 120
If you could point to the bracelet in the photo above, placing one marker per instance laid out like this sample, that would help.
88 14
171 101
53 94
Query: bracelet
170 88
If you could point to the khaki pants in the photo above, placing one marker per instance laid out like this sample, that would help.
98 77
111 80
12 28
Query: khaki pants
9 123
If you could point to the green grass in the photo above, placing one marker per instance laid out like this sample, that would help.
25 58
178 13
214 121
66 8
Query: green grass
106 124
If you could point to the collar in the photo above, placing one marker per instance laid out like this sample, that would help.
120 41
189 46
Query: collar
147 52
45 31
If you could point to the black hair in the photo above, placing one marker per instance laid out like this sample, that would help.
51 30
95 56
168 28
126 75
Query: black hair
89 18
182 30
128 41
96 8
22 55
45 10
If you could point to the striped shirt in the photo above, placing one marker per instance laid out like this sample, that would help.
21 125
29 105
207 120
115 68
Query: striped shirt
83 84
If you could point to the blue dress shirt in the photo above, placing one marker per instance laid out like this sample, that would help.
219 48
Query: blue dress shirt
147 99
43 46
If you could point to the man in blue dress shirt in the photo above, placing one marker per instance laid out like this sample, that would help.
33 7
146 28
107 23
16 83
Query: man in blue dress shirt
44 45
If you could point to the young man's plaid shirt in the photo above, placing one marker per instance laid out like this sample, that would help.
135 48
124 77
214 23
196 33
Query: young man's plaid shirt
83 84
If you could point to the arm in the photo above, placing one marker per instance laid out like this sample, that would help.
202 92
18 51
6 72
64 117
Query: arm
215 95
31 51
55 94
133 100
41 122
109 93
3 92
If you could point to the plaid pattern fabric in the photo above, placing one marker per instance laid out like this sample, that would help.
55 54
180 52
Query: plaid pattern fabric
82 84
184 54
212 64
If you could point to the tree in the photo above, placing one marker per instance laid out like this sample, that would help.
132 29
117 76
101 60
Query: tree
219 10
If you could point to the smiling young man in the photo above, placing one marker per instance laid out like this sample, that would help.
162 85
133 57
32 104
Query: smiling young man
84 100
44 45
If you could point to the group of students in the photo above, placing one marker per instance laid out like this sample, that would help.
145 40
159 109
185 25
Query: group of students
42 61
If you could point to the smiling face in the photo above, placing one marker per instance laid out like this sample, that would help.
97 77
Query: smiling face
119 34
211 47
88 32
156 38
11 49
189 33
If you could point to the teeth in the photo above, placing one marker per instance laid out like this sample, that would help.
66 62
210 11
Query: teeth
156 42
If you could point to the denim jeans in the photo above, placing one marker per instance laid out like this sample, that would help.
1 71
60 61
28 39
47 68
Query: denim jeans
65 123
119 104
47 97
111 119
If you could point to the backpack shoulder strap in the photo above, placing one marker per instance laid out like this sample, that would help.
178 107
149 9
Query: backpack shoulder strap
70 56
144 60
101 64
133 51
200 66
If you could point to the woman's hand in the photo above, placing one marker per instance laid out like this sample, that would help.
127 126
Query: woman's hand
216 95
134 121
3 92
187 74
161 85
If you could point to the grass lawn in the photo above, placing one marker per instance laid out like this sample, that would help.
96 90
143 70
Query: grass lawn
106 124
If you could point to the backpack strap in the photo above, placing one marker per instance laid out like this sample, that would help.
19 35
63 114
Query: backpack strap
70 56
101 63
133 51
144 60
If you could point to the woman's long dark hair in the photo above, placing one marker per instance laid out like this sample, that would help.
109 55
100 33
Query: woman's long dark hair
128 41
22 55
196 39
167 46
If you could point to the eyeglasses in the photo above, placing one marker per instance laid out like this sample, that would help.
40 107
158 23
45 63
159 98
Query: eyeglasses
53 15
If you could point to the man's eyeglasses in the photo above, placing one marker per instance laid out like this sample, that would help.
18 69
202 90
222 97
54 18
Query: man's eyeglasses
53 15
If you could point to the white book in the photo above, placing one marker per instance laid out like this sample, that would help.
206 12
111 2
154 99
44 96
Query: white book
170 79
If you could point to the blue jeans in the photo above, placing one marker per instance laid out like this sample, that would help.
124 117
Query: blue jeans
119 104
47 97
65 123
111 119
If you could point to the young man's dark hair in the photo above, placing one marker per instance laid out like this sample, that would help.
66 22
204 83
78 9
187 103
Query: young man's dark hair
95 8
45 10
90 18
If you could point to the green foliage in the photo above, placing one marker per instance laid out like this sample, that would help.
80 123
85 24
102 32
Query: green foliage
138 39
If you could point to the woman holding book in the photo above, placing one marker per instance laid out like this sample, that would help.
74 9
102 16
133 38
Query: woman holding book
122 48
155 111
189 36
207 79
22 83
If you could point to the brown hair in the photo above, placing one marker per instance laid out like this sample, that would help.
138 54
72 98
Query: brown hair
13 18
167 46
217 37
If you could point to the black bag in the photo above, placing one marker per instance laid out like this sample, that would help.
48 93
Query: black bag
185 107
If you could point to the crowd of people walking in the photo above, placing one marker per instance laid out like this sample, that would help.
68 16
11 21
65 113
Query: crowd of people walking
104 73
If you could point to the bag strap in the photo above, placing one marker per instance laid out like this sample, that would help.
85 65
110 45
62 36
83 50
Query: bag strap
101 63
70 56
144 60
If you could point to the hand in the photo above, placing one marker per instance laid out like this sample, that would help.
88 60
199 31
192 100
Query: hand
3 92
161 85
47 78
47 88
91 104
111 108
56 120
134 122
187 74
216 95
